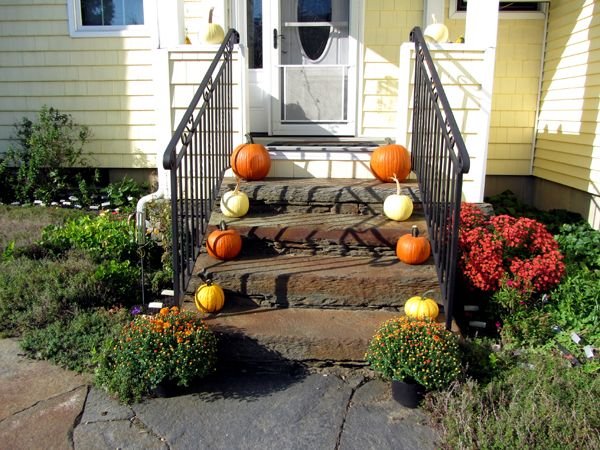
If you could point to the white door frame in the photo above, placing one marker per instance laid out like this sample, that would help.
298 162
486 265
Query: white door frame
270 77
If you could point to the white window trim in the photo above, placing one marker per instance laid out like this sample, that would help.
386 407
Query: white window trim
76 30
506 15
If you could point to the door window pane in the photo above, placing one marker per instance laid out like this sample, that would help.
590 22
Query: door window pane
314 39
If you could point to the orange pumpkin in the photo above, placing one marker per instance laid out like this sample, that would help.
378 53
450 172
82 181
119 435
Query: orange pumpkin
390 160
223 243
250 161
412 248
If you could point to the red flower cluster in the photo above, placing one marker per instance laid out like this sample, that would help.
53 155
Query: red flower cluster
520 252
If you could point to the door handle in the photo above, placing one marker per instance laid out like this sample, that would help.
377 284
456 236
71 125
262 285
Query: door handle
276 37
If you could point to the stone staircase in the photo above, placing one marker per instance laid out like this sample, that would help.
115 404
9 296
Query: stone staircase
317 273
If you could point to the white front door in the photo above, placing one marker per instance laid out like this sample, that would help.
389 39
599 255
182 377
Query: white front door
312 66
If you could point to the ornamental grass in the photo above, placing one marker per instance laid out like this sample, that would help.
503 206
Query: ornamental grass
173 347
412 350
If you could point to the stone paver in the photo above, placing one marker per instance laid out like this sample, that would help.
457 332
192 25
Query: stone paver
375 421
16 371
334 410
46 425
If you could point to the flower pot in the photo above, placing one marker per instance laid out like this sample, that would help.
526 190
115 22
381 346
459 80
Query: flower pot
408 394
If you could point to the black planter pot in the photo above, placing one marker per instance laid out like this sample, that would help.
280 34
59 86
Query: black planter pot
408 394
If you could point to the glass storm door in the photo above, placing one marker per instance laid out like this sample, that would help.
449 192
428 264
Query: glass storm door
313 75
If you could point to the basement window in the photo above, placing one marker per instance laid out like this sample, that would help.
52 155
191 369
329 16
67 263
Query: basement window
510 10
97 18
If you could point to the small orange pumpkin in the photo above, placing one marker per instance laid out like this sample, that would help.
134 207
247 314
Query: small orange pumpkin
223 243
250 161
412 248
390 160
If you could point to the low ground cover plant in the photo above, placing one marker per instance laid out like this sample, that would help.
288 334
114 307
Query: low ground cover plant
171 347
528 383
60 283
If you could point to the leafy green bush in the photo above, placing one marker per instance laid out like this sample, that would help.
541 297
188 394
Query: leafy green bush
35 293
124 192
75 343
102 237
545 404
44 151
171 347
580 244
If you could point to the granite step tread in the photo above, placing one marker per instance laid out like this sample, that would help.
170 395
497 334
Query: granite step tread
264 336
321 233
321 195
325 281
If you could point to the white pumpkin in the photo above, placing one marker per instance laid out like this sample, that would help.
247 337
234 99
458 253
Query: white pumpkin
397 206
235 203
436 32
213 33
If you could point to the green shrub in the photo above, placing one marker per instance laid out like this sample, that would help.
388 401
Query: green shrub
121 279
580 245
102 237
35 293
44 151
74 343
545 404
171 347
124 192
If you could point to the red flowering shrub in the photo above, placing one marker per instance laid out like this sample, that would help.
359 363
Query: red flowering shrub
517 251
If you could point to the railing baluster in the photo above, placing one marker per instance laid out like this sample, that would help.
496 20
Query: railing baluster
439 159
197 157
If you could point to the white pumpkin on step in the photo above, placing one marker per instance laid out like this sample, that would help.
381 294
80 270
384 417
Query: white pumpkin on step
397 206
235 203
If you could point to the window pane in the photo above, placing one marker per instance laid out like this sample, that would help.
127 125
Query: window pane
254 13
112 12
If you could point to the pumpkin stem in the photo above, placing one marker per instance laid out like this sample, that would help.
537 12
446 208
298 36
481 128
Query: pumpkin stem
414 231
222 225
210 15
430 291
249 138
433 18
237 185
394 178
205 276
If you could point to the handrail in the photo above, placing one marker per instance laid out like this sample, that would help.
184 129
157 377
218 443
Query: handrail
439 159
197 157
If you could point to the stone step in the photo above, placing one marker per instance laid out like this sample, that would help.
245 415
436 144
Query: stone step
318 281
264 337
271 337
341 234
353 196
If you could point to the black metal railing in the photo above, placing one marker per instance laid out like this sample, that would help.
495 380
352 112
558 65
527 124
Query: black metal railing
197 157
439 159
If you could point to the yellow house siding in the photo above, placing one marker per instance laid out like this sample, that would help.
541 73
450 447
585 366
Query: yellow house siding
105 83
515 94
568 135
387 24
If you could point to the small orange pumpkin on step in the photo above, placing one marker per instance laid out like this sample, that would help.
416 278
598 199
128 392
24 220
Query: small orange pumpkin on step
250 161
224 244
412 248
